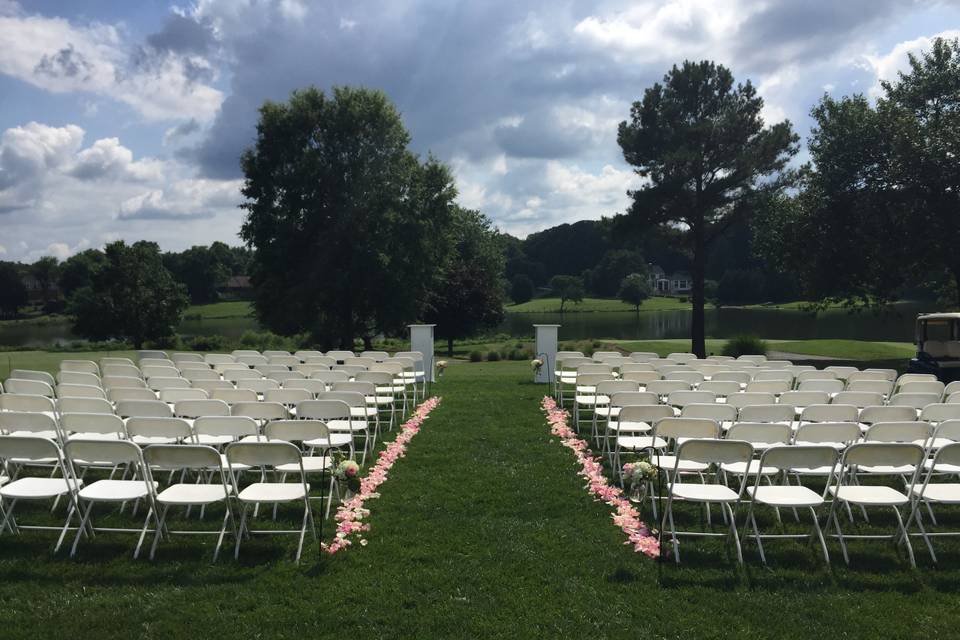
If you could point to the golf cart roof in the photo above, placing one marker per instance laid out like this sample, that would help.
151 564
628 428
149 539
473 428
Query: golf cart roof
939 316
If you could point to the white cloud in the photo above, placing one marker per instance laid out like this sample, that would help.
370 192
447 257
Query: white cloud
887 66
60 56
3 250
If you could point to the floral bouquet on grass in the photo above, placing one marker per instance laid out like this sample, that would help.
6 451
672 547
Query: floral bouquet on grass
637 476
441 366
536 364
346 471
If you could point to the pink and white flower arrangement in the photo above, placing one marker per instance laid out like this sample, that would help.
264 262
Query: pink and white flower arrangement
643 539
351 513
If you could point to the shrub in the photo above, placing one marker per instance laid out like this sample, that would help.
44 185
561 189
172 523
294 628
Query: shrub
493 356
516 354
745 346
476 356
209 343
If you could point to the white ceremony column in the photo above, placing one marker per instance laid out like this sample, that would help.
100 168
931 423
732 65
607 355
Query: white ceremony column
421 339
547 349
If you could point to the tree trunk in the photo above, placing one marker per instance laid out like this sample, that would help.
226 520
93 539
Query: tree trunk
449 347
956 279
697 338
367 343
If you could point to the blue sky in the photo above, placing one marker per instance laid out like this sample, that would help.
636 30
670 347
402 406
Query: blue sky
126 119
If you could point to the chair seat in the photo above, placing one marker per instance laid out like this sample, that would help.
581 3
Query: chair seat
585 400
214 441
189 494
785 496
311 464
887 469
818 471
49 435
335 440
641 442
115 490
363 412
667 463
344 425
94 436
629 426
751 468
273 492
147 440
236 466
702 492
939 492
35 488
869 495
942 467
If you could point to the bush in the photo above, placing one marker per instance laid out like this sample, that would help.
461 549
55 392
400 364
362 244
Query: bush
521 289
209 343
493 356
745 346
517 354
476 356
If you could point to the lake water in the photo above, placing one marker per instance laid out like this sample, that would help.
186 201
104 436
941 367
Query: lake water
896 325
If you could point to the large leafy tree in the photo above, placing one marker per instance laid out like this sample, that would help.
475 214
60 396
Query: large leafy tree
132 296
615 265
634 289
46 270
348 226
700 144
469 296
78 270
13 293
202 270
567 288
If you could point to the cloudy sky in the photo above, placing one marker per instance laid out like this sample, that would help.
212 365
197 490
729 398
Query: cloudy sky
126 119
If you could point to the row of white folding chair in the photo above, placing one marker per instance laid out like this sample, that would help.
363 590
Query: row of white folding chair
283 457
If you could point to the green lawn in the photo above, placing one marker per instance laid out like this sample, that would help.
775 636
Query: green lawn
552 305
232 309
483 531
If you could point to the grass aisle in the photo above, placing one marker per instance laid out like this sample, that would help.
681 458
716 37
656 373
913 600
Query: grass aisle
483 530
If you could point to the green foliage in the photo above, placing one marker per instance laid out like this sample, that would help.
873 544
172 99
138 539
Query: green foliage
202 270
132 297
700 142
476 356
13 293
347 224
493 356
605 279
209 343
744 346
469 294
78 270
521 289
567 288
634 289
738 287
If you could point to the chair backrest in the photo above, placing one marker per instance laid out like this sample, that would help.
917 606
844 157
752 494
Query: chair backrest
740 377
352 398
666 387
286 360
324 360
804 398
681 356
683 398
948 454
859 399
768 386
368 389
210 385
331 409
260 385
858 376
143 409
235 375
122 394
718 412
915 377
611 387
712 451
595 368
691 377
630 366
747 398
768 433
627 398
329 377
308 369
379 356
673 428
77 377
41 376
283 376
102 423
819 384
884 387
915 400
915 431
799 457
159 427
159 384
646 413
722 388
313 386
940 412
886 413
267 370
842 372
767 413
842 433
260 454
173 396
287 397
952 387
151 354
184 456
122 370
378 378
235 427
122 382
187 357
260 410
79 391
83 366
829 413
816 374
642 377
922 386
774 375
643 356
12 421
108 451
233 396
250 359
591 379
219 358
30 387
202 407
31 448
84 405
297 430
25 402
152 371
883 454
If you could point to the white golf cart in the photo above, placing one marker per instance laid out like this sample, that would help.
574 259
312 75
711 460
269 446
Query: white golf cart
938 346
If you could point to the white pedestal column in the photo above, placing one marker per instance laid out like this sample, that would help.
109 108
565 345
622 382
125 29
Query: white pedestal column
547 349
421 339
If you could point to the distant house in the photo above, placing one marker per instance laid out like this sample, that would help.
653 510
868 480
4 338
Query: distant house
236 288
677 283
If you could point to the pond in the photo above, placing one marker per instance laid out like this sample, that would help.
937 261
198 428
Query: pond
896 325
